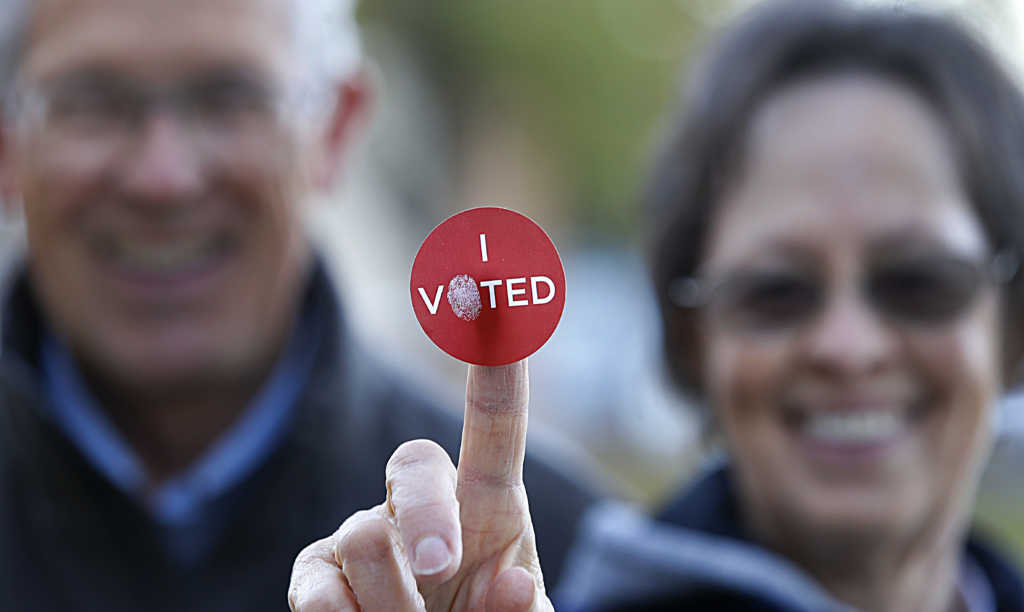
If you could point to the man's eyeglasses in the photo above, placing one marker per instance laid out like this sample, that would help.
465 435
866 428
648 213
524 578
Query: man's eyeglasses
922 291
96 106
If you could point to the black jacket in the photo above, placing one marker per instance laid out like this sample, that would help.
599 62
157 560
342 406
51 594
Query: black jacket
69 540
696 555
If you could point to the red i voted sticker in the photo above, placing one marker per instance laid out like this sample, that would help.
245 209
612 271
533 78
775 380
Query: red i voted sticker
487 286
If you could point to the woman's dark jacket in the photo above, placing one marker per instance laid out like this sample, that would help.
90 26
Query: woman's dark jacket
697 556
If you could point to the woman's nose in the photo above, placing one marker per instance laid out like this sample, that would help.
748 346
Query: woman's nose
848 338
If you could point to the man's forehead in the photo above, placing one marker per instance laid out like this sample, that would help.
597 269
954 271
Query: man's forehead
157 36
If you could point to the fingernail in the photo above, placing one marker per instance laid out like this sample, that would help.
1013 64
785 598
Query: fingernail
431 556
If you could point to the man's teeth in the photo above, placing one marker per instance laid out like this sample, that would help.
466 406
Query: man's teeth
166 258
862 426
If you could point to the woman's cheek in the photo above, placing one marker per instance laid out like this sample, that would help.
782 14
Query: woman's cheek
961 368
743 380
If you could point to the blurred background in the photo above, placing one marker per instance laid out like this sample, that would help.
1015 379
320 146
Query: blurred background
555 109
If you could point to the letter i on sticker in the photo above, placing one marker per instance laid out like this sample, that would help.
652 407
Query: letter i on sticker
463 294
515 306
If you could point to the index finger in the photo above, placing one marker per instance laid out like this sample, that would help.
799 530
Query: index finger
494 432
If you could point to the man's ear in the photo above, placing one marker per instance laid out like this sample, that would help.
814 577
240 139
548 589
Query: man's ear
349 105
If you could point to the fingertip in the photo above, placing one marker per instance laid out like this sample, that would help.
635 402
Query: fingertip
513 590
509 369
431 556
498 388
434 560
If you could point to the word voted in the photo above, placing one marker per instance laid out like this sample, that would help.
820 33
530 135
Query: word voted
514 288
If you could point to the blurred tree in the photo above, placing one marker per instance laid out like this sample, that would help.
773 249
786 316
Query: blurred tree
588 79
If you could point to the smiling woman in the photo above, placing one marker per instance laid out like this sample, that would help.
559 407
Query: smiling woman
839 228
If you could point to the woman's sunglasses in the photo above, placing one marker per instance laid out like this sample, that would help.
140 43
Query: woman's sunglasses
925 291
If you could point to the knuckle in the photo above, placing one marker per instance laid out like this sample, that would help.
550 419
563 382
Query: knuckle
498 405
370 541
305 566
507 480
308 554
428 518
414 453
316 600
312 587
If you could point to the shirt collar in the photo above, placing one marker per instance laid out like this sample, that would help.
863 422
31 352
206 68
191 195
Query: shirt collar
232 457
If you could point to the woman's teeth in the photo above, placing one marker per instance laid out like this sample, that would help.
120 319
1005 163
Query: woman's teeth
855 427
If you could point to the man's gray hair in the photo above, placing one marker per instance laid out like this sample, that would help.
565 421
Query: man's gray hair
325 32
13 29
327 37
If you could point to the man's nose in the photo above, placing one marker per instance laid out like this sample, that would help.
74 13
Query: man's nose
163 164
849 338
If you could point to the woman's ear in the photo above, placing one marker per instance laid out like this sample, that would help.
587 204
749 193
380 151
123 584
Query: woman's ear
688 363
1012 330
1013 369
686 350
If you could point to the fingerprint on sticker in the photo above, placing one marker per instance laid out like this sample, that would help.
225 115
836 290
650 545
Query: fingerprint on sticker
464 297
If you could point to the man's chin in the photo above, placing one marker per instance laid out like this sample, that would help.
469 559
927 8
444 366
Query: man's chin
164 376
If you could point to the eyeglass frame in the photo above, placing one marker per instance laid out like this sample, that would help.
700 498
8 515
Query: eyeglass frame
177 98
694 293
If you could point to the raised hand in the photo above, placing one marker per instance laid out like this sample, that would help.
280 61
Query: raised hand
444 538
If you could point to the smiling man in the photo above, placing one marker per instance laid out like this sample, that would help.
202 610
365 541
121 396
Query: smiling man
181 409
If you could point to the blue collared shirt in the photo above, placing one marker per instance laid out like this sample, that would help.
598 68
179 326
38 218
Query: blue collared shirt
184 506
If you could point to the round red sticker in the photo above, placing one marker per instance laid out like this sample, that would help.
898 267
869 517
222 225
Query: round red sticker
487 286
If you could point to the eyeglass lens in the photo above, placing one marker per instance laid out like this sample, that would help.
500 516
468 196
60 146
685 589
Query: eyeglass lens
930 290
96 102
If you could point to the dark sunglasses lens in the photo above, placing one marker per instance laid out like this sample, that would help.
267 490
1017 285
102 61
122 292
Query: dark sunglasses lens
925 292
766 301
